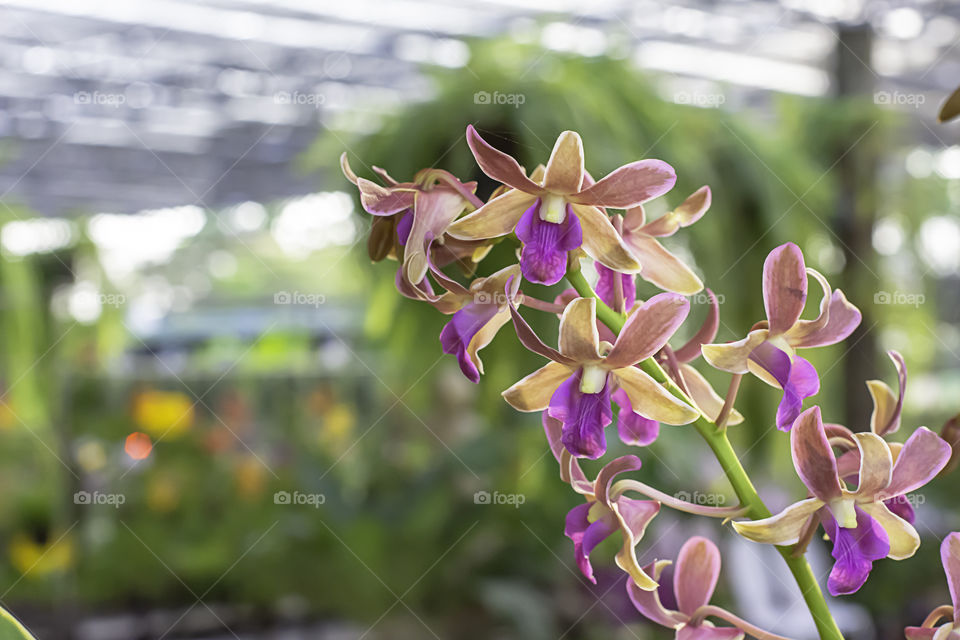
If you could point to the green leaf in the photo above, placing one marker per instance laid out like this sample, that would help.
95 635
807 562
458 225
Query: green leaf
11 629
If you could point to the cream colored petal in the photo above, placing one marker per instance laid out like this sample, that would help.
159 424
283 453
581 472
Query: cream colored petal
706 399
485 336
494 219
602 242
734 356
782 528
651 400
904 540
876 464
579 338
533 392
661 267
564 172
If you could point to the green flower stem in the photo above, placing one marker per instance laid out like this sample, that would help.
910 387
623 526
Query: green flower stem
730 463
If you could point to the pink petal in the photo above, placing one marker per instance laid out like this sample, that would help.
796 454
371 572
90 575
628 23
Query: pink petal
381 201
923 455
784 287
498 165
706 333
813 457
950 556
630 185
698 568
648 329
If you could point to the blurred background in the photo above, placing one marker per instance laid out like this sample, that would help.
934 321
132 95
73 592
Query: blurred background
219 420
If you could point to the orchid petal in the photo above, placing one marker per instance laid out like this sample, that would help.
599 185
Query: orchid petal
648 602
876 464
886 409
496 218
661 267
950 556
705 632
533 392
459 335
842 319
602 242
784 287
546 244
703 395
579 338
347 170
433 211
610 471
923 455
689 211
606 283
698 568
633 428
734 356
854 550
629 185
648 328
570 471
904 540
498 165
564 172
920 633
813 457
634 516
584 417
634 218
587 535
782 528
802 383
651 400
381 201
900 506
705 334
530 340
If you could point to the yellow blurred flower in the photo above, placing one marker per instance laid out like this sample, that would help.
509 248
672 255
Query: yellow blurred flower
163 493
166 414
36 560
249 475
338 423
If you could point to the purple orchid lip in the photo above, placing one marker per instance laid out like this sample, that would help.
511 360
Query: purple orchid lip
546 244
458 333
606 286
855 551
404 226
796 377
632 427
584 416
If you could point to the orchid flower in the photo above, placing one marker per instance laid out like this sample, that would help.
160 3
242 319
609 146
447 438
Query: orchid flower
410 216
950 557
769 351
863 529
478 314
575 387
634 429
558 214
694 580
604 514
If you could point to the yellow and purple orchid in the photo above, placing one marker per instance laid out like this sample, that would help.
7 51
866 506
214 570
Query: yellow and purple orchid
410 216
605 513
558 214
950 630
769 350
575 387
863 529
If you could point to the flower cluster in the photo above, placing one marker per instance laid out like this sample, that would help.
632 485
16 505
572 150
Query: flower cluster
614 352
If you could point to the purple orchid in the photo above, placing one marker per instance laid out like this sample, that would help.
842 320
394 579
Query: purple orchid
769 351
863 529
576 386
950 630
559 214
605 513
